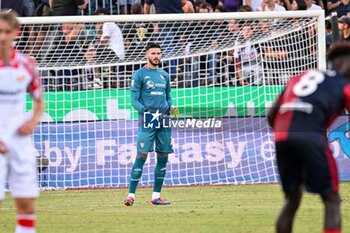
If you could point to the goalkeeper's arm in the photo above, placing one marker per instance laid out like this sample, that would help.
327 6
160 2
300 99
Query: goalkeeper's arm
135 89
167 92
135 95
173 109
273 110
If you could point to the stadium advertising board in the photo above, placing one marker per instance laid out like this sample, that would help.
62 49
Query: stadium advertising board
102 153
116 104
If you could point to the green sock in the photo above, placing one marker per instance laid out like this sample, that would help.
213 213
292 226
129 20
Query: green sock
159 172
136 171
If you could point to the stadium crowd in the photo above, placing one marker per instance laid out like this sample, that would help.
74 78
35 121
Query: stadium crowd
88 7
103 43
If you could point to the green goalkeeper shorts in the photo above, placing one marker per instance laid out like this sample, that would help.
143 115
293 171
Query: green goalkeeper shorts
161 137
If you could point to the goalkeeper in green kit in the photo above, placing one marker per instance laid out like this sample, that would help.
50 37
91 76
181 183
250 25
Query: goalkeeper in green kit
150 96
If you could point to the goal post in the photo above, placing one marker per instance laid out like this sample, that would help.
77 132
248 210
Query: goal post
226 70
321 30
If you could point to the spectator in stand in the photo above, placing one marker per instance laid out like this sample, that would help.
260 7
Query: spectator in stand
312 6
329 35
221 25
206 8
274 52
43 9
287 4
245 8
298 5
198 4
254 4
95 4
164 7
321 3
67 7
28 8
125 5
232 5
344 27
270 5
187 6
342 7
108 47
67 49
249 71
32 38
220 9
227 75
29 33
332 5
280 2
168 33
16 6
204 66
233 26
138 35
214 3
111 38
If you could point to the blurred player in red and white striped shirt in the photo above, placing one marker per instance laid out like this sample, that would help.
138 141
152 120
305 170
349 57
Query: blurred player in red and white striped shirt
18 75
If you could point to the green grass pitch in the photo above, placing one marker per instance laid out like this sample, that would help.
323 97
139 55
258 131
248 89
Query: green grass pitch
234 209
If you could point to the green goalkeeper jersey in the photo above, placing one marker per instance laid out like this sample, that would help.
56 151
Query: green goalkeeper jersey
150 90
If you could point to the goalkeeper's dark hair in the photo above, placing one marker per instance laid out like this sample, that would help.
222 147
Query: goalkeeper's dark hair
338 50
153 45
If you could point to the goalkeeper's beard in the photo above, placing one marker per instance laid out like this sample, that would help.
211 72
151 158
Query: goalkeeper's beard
153 63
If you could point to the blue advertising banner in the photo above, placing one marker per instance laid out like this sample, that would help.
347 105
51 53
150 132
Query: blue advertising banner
95 154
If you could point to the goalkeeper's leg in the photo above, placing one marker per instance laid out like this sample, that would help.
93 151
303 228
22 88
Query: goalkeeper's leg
163 148
136 173
159 174
145 144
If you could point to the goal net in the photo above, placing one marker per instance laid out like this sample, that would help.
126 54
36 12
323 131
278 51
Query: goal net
226 69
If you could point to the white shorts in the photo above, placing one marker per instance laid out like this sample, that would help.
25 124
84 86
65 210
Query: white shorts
19 166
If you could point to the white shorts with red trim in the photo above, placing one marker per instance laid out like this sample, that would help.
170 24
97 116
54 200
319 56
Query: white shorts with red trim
19 167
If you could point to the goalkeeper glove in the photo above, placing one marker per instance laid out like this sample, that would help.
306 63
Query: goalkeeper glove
174 111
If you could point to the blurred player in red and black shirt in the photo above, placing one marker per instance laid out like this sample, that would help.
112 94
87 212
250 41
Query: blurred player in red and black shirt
300 117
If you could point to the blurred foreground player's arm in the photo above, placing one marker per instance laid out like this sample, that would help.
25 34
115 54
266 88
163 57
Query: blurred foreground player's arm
35 91
339 59
274 109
